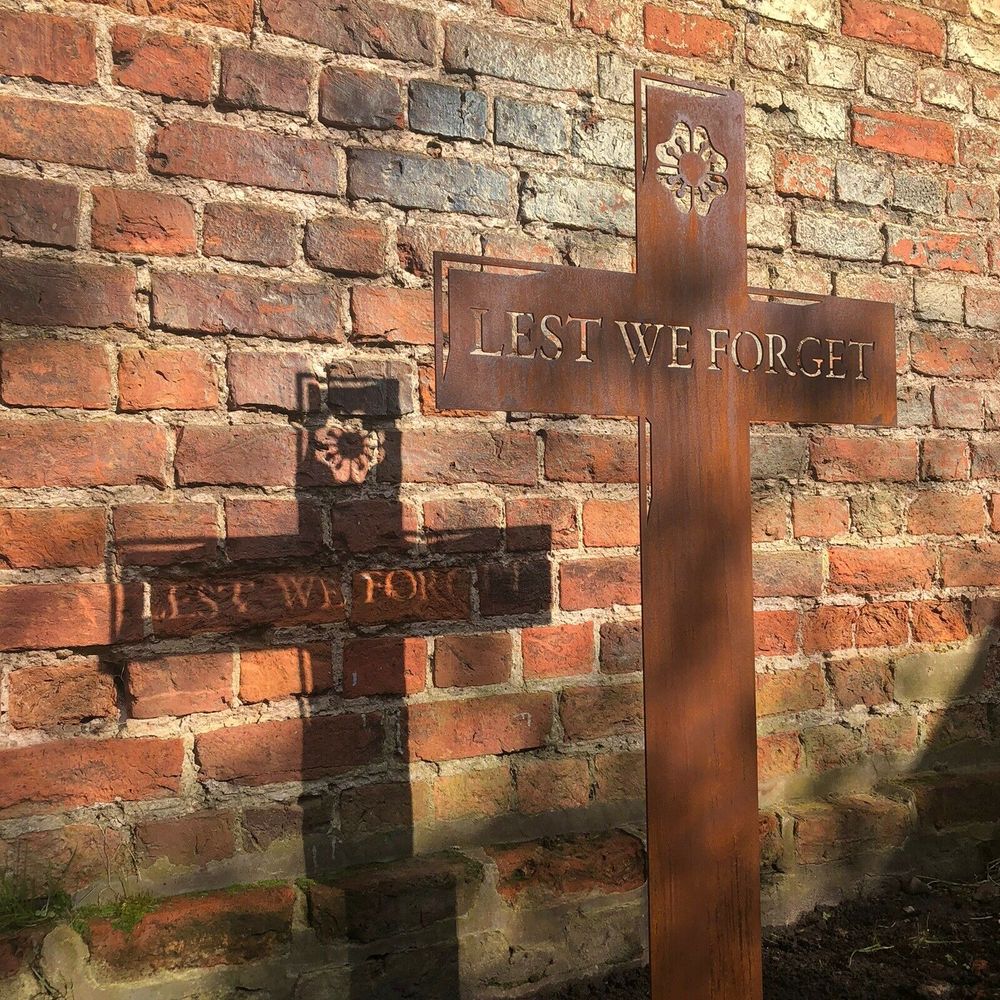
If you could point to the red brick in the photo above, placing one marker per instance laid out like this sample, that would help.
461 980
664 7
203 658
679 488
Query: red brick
985 615
825 833
891 734
619 776
225 604
55 373
558 650
610 523
397 805
279 381
945 459
182 379
73 690
509 246
968 200
463 525
85 772
787 574
57 293
881 625
550 785
820 517
778 754
39 211
273 674
359 246
245 455
395 315
979 149
384 665
862 570
592 713
47 537
405 595
46 47
574 457
861 681
893 25
995 512
192 840
598 583
250 233
473 455
472 660
234 14
802 174
541 523
162 534
229 927
161 64
937 513
986 459
689 35
373 525
829 627
246 156
905 135
769 518
535 10
57 615
958 406
474 727
863 460
83 135
775 632
515 588
937 250
982 308
264 82
582 864
291 750
78 851
179 684
350 98
790 690
976 565
416 245
259 528
832 746
142 222
251 306
473 794
621 647
955 357
939 621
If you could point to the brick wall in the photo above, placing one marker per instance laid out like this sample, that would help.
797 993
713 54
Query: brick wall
266 612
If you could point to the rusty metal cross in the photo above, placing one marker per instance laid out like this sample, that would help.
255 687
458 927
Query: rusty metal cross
697 356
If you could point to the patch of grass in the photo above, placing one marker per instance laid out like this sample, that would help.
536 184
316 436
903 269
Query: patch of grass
27 903
124 913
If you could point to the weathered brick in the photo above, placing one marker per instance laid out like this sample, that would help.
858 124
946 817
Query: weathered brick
552 11
552 784
775 632
592 713
443 185
881 570
578 203
452 457
246 455
46 537
273 674
463 525
817 14
373 525
194 839
357 27
955 357
831 747
39 211
787 574
982 309
976 46
85 772
690 35
944 459
396 315
72 690
558 650
986 459
57 293
231 303
608 141
46 47
610 523
442 109
860 681
891 24
530 125
904 135
55 373
945 89
828 627
264 82
416 244
523 587
832 66
938 300
472 660
520 58
768 518
281 381
245 156
598 583
79 851
825 833
891 734
918 193
377 386
836 236
473 794
802 174
590 458
958 406
778 754
934 249
179 684
606 18
939 513
84 135
81 453
394 665
160 534
541 523
167 65
790 690
891 79
819 517
772 49
141 222
270 528
863 183
475 727
250 233
852 460
347 244
351 98
402 595
234 14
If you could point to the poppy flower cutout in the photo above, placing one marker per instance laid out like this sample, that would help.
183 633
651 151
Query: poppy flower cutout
350 455
691 168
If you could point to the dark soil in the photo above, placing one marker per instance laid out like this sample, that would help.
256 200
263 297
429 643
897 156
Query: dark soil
933 942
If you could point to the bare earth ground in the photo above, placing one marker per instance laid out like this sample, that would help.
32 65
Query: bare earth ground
933 942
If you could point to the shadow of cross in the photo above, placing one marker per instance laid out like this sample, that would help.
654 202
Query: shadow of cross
697 356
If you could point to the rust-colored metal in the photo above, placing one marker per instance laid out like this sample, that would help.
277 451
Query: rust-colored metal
697 356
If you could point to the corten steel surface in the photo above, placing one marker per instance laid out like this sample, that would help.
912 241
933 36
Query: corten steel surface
707 356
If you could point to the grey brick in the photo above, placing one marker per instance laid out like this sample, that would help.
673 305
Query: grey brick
446 185
615 77
766 227
440 109
836 236
938 300
862 184
913 406
580 203
520 58
529 125
891 79
355 99
919 193
609 141
775 456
